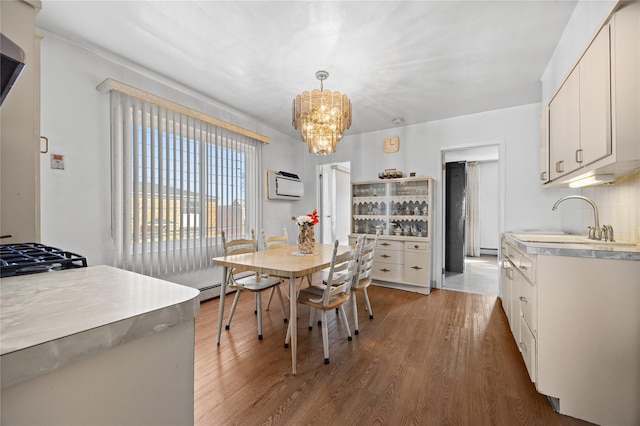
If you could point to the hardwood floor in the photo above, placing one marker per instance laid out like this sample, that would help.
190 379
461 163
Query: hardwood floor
443 359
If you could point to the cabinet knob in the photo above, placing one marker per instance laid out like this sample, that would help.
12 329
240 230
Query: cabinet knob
416 246
523 299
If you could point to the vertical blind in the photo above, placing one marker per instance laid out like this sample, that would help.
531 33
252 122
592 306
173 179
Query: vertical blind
177 182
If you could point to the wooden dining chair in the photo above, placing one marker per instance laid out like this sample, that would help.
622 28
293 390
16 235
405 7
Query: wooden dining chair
362 280
331 296
254 282
274 242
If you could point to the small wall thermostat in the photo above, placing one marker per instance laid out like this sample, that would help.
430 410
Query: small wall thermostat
391 144
57 161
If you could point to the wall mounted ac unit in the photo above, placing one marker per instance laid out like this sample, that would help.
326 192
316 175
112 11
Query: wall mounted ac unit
284 186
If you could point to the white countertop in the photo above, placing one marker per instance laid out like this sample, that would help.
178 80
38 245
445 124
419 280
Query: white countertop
51 319
595 249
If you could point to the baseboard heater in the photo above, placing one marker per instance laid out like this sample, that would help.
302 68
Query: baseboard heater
284 186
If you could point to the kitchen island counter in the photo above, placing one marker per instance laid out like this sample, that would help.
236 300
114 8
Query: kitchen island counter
59 328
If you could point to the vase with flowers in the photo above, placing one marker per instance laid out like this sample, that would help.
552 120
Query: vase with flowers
306 241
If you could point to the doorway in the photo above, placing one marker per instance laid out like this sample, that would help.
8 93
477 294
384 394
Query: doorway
334 202
455 219
472 214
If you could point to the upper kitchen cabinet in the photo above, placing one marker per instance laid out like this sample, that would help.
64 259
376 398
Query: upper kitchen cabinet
580 113
564 127
594 118
20 130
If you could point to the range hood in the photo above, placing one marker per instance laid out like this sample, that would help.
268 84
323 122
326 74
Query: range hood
12 61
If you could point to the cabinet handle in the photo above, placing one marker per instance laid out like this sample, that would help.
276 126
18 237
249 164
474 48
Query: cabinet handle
560 166
579 155
523 267
416 246
385 244
523 299
510 273
46 144
384 255
385 270
416 267
543 176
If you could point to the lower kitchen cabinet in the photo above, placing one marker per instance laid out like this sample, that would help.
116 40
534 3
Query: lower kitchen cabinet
576 322
416 263
401 261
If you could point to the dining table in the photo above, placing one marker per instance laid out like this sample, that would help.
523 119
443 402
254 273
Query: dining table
285 261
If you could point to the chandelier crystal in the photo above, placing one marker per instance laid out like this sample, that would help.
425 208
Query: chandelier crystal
322 117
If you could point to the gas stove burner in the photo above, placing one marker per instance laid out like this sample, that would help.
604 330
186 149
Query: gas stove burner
31 258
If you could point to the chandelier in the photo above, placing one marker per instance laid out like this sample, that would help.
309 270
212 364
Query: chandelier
321 117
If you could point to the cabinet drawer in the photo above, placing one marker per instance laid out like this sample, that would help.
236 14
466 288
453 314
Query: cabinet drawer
527 344
416 246
528 305
389 256
386 271
524 263
416 273
389 245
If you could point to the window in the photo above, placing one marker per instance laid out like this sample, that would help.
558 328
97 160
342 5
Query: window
177 182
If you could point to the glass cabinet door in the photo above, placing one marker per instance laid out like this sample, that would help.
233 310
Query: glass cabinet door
409 212
396 207
370 207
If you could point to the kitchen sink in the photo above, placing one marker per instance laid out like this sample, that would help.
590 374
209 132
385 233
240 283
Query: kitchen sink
564 239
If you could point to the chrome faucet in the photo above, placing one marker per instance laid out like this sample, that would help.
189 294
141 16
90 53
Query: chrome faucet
595 232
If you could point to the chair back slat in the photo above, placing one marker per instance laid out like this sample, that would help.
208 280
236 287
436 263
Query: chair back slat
365 264
341 272
275 241
239 246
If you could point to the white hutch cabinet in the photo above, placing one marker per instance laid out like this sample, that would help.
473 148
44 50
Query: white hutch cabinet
401 211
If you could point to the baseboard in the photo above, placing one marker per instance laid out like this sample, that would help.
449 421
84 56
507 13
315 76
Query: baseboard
489 251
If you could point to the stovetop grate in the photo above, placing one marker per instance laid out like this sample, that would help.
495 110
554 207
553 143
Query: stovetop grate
29 258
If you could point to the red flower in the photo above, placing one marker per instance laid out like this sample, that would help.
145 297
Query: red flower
314 217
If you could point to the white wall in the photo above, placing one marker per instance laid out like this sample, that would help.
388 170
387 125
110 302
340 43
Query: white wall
75 117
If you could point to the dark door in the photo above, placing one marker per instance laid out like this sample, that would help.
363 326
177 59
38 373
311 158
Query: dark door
455 214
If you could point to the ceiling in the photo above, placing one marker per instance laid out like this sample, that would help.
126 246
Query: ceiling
419 60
